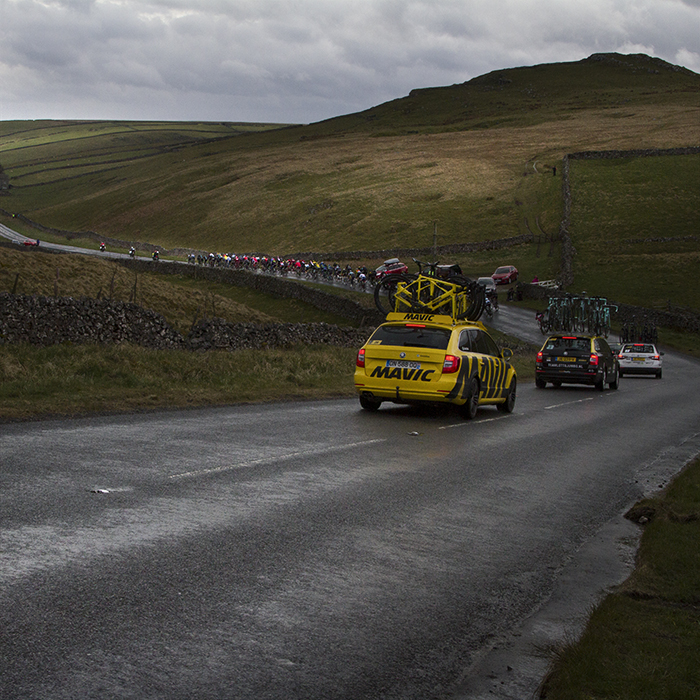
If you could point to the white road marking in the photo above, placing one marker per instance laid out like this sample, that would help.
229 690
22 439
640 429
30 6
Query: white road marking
271 459
568 403
466 423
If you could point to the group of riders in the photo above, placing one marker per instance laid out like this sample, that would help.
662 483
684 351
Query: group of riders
299 267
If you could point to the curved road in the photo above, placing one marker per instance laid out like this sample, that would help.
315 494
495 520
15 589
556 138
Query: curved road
314 551
309 550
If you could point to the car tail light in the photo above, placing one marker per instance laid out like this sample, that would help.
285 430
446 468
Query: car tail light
593 360
540 357
657 357
360 361
450 365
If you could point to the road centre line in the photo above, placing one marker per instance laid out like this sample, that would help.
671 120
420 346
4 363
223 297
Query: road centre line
568 403
273 459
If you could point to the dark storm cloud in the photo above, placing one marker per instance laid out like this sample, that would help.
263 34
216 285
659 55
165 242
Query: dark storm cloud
299 60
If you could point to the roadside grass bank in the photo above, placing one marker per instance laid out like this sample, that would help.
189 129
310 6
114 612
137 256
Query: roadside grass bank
72 380
642 641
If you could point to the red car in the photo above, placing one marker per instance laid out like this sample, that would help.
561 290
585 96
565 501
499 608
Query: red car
34 244
505 274
393 266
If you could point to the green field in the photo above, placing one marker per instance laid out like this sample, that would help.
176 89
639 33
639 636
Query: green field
613 215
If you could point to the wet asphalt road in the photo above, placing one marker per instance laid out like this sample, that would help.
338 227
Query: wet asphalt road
306 550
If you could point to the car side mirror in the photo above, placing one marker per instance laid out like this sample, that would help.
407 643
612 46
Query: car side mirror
506 354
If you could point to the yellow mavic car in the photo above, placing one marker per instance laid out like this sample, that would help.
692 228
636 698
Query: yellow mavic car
426 358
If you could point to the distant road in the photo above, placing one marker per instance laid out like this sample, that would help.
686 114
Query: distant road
18 238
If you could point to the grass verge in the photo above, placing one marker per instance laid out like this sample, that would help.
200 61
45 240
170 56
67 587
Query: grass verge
72 380
643 640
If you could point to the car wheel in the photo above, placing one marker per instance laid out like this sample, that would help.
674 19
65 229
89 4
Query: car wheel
509 404
540 383
659 374
615 382
369 404
469 409
600 385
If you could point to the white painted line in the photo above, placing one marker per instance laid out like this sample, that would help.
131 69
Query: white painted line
272 459
568 403
465 423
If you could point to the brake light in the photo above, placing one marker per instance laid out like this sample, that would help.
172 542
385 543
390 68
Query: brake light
415 325
593 360
540 356
657 357
450 365
360 361
569 337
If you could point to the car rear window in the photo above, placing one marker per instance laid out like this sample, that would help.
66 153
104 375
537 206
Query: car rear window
411 336
649 349
568 343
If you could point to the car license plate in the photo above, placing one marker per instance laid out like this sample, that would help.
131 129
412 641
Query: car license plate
638 359
404 364
566 359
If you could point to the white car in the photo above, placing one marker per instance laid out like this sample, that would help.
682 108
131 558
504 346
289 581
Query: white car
640 358
488 283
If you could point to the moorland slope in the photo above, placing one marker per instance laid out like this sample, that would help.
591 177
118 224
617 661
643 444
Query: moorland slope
475 160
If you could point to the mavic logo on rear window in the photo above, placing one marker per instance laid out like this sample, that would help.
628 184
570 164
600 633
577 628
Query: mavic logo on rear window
409 375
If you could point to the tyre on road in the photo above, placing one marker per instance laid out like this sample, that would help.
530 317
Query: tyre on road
614 383
600 384
509 404
469 409
369 404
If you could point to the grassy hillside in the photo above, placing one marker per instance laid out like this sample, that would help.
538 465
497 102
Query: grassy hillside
613 216
476 158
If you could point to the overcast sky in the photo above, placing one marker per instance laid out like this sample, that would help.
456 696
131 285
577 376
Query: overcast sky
299 60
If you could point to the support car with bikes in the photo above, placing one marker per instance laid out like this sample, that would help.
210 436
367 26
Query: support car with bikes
423 358
577 359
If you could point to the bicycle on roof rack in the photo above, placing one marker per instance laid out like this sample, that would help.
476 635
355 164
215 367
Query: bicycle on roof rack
436 289
569 313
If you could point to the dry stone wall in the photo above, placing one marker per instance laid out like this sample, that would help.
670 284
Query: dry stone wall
49 321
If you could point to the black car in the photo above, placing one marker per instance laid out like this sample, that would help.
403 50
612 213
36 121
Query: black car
577 359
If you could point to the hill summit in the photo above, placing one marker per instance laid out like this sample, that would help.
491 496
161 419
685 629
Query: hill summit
527 95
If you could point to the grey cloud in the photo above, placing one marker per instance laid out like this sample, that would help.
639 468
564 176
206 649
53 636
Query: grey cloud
275 60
